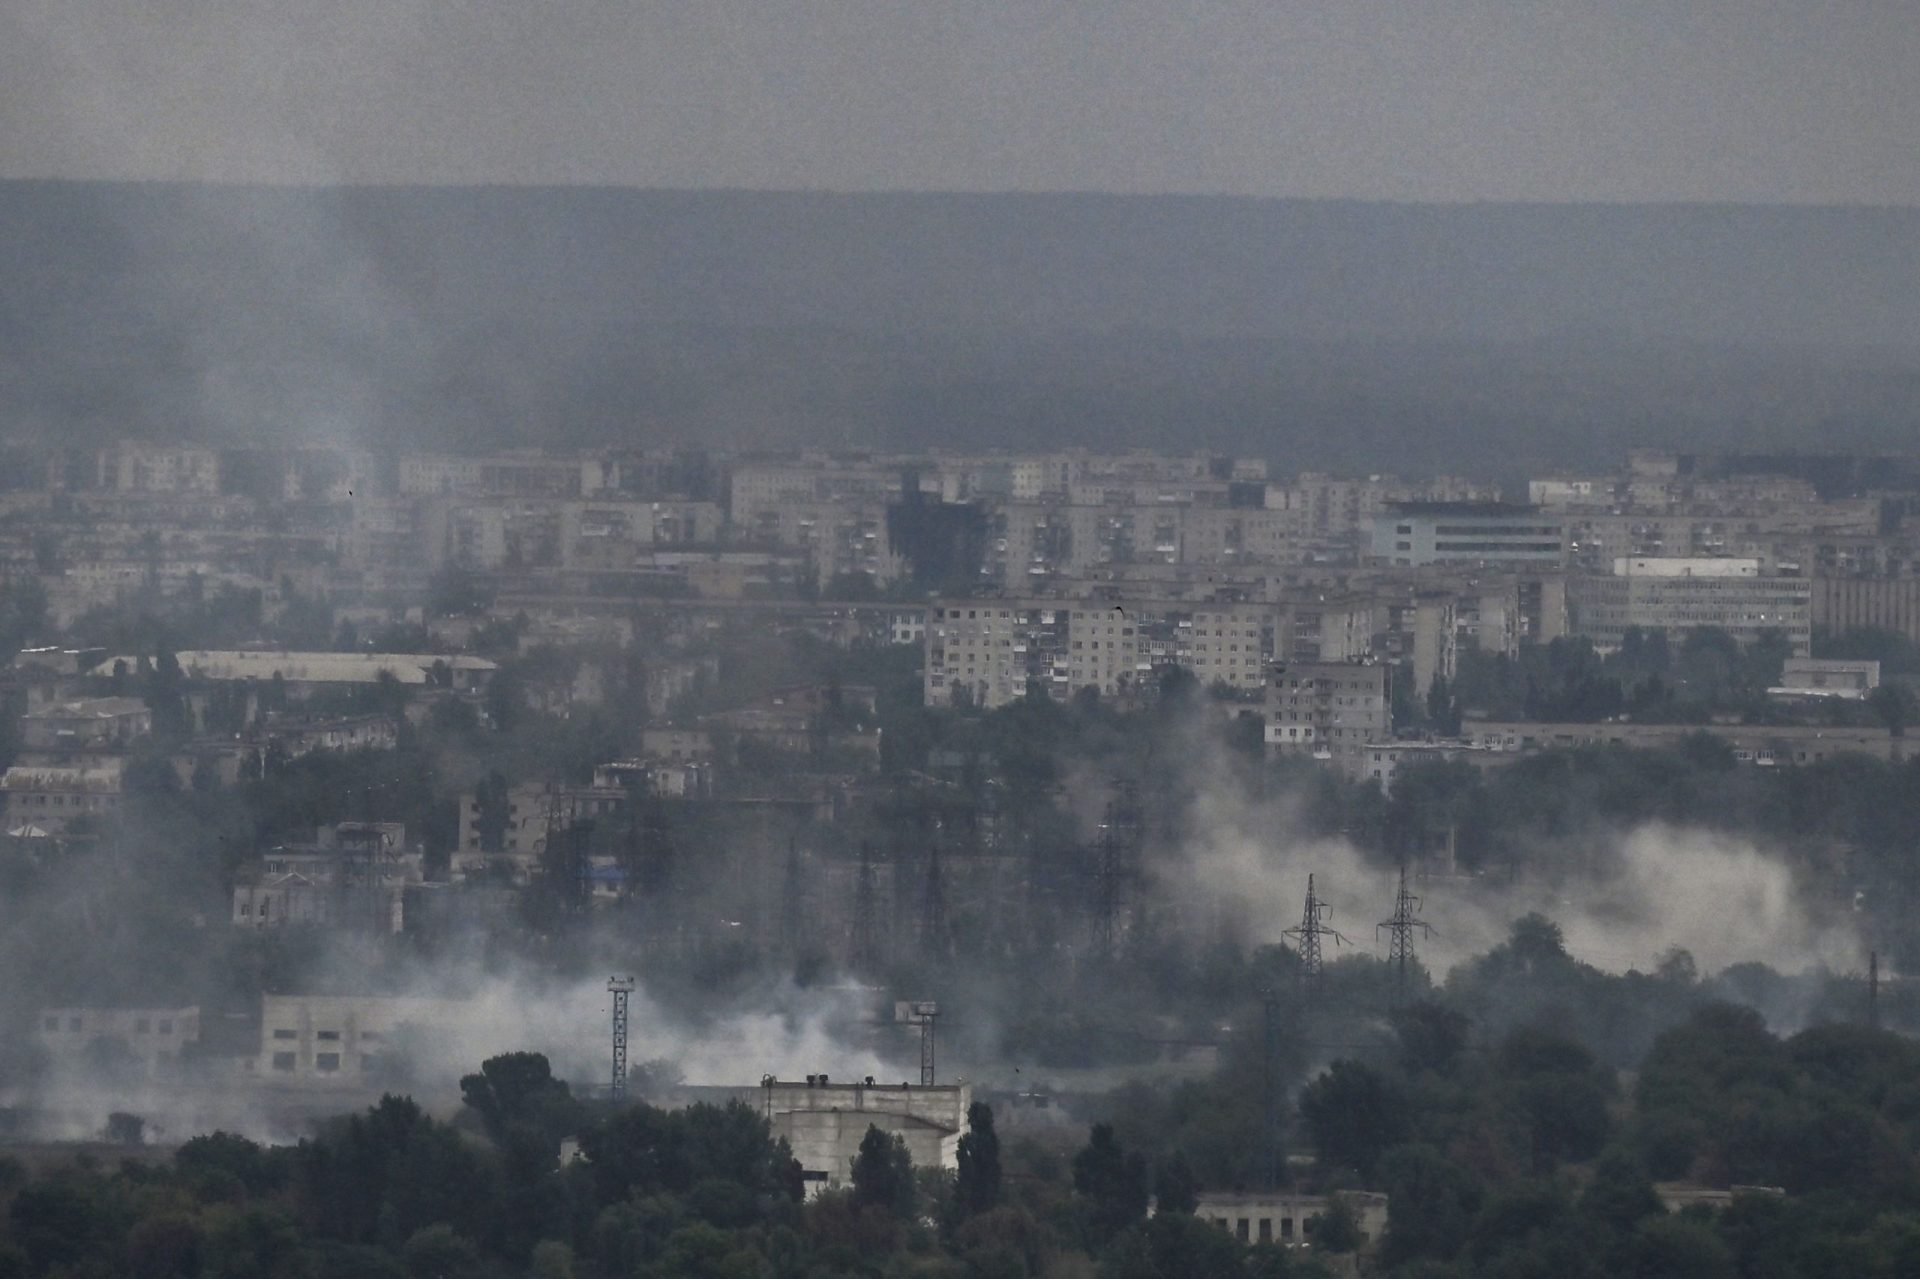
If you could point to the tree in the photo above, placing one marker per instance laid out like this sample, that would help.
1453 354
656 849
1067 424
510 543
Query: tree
1112 1182
977 1184
883 1174
516 1093
1175 1246
1174 1186
1337 1229
1355 1114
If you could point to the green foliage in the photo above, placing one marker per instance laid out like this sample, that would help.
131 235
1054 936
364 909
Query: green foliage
1111 1182
883 1174
1354 1115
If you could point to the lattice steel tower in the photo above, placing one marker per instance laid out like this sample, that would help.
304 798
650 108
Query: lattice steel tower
1400 930
1306 936
620 987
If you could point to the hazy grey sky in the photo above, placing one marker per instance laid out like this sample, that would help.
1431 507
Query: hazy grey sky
1753 100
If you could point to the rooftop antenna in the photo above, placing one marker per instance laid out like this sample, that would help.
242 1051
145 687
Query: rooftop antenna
1400 930
1306 937
620 988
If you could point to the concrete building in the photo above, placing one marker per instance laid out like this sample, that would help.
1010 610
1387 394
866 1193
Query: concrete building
54 796
302 672
990 649
88 724
1827 678
1843 604
156 1037
1410 534
1679 594
1765 745
1329 710
1283 1217
340 1038
825 1121
132 467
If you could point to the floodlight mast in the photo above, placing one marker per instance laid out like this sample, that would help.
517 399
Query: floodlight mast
620 988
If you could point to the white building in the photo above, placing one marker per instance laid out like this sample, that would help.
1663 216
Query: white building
1282 1217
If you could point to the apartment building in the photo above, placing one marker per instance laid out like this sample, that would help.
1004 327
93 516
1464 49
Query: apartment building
1328 710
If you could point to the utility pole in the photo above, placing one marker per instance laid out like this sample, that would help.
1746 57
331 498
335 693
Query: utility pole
620 988
1400 930
1307 936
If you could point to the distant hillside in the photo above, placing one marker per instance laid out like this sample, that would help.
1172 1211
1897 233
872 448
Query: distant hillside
1355 336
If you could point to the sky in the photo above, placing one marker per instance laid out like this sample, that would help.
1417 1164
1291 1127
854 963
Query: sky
1420 100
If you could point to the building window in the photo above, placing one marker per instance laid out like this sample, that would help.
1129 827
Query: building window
283 1061
328 1034
1240 1229
50 1023
141 1025
166 1025
285 1034
73 1023
326 1063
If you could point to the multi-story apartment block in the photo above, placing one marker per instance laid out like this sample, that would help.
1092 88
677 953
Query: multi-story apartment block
131 467
1678 594
1330 710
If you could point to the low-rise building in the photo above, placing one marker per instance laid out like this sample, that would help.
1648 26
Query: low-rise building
1284 1218
155 1037
86 724
53 796
342 1038
1818 677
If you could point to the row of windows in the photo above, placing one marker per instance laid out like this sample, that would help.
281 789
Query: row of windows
141 1025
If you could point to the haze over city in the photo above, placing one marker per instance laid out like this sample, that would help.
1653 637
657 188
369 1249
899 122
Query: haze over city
1056 641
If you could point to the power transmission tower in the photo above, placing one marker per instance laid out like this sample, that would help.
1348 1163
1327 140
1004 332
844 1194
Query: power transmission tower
1113 862
620 987
865 949
1400 930
1307 936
